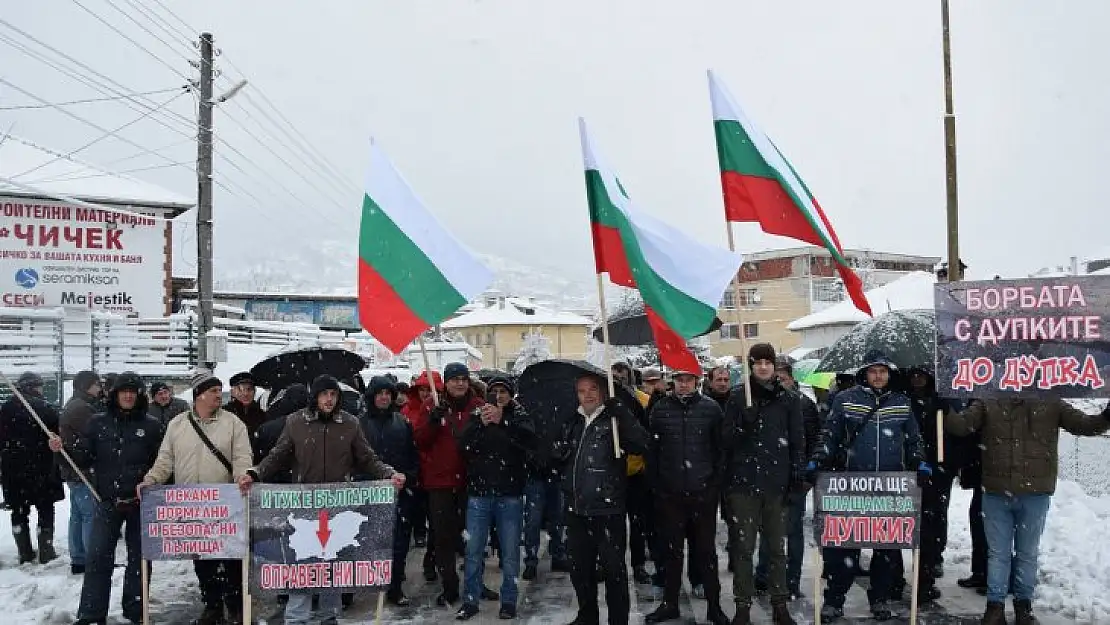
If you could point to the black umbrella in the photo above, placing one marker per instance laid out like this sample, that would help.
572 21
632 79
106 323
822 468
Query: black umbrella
635 329
303 365
547 390
488 374
907 337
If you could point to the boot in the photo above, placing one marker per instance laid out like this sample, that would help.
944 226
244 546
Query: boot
665 612
973 581
715 615
830 614
46 545
22 535
780 615
1023 612
995 614
212 615
743 615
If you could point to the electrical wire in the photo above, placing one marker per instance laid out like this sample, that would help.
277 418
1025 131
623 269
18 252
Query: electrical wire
190 32
21 107
108 173
128 38
138 7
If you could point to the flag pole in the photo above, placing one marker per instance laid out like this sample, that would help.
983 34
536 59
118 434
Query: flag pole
608 364
428 370
740 318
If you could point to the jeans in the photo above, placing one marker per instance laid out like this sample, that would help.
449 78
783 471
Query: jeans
82 506
795 544
543 508
1014 524
481 513
100 564
298 610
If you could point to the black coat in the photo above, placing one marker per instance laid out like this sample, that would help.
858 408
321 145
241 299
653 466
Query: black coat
687 445
264 440
959 451
594 480
119 447
27 469
76 415
390 436
496 454
767 440
811 423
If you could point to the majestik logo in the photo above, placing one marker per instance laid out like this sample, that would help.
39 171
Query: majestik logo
90 299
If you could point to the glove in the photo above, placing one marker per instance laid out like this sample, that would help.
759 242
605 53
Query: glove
924 472
614 406
436 416
811 473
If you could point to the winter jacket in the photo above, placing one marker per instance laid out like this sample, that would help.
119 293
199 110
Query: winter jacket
595 481
869 430
722 399
811 423
1020 439
959 451
636 463
766 440
166 413
27 469
436 432
390 436
322 449
687 445
413 407
119 446
75 418
287 401
252 414
185 457
495 454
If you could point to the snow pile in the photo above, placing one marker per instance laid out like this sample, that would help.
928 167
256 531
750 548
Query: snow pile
911 291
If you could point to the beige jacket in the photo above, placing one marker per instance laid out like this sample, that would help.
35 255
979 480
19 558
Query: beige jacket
185 456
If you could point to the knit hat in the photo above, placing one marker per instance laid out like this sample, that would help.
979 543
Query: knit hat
455 370
505 383
84 380
783 363
761 351
202 380
323 383
241 377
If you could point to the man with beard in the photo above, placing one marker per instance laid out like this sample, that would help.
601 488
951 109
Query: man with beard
84 403
163 405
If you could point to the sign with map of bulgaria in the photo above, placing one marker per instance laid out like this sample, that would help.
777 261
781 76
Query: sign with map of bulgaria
321 536
206 521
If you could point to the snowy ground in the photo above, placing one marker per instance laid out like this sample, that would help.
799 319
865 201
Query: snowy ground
1074 569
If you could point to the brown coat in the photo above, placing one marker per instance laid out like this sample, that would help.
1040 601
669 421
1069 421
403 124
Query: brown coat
1020 439
320 451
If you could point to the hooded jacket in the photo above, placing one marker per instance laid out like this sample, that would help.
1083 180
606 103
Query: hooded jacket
766 440
389 433
413 406
875 429
436 432
119 446
27 469
687 444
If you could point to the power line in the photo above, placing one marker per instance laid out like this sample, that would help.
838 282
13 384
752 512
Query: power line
141 10
127 37
190 32
107 173
21 107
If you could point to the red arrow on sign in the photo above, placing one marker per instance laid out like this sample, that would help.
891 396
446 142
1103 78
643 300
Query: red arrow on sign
322 532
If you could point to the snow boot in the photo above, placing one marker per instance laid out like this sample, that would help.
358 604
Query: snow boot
212 615
995 614
780 615
530 572
973 581
880 611
830 614
46 545
1023 612
743 615
665 612
714 615
22 535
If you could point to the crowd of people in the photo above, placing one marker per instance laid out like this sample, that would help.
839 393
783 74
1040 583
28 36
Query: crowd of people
640 476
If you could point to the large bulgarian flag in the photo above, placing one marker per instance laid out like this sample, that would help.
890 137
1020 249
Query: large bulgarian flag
412 274
760 185
680 279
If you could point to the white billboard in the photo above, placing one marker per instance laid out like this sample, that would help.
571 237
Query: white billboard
57 254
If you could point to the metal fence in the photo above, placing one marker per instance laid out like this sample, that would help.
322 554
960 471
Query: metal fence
33 340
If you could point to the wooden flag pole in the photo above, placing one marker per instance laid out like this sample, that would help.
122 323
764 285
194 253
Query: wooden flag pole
608 364
916 575
740 320
247 607
428 370
817 597
380 609
940 438
145 575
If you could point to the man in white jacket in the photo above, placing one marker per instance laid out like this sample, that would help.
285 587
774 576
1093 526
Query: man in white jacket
188 459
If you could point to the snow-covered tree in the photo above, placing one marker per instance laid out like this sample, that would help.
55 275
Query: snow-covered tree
536 348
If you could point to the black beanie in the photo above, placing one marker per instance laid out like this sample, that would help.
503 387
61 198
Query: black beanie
762 351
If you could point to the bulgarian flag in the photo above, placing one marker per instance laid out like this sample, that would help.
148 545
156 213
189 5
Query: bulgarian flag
760 185
412 274
680 280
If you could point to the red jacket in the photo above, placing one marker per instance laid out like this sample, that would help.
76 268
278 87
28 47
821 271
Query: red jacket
413 407
441 460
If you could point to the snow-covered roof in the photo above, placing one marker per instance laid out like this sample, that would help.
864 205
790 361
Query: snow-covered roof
511 315
912 291
65 176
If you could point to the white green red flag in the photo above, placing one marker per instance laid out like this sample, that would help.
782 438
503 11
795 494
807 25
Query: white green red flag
761 186
680 279
412 273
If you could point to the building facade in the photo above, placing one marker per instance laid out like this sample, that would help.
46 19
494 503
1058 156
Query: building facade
779 286
499 326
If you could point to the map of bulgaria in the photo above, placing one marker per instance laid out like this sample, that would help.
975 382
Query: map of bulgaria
324 538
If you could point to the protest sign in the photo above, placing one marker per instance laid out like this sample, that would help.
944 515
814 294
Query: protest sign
206 521
867 510
312 537
1023 338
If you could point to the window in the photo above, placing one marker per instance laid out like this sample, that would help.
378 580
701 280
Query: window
730 331
751 297
489 339
751 330
728 301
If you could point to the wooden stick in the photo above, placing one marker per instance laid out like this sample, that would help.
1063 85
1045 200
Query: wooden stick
817 596
381 608
940 436
247 607
38 419
916 574
428 370
740 320
146 591
608 364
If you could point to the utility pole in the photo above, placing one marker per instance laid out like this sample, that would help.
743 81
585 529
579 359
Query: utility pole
204 200
955 269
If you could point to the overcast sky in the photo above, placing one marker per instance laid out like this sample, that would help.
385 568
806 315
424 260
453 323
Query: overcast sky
476 103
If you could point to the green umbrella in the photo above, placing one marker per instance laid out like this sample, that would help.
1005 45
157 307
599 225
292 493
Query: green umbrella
804 367
819 379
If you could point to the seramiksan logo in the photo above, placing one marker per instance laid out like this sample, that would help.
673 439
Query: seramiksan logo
27 278
80 278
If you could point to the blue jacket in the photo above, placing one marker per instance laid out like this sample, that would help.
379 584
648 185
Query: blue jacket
869 431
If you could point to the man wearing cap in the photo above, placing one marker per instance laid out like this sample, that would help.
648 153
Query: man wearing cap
595 483
443 471
766 462
116 449
27 471
321 444
163 405
687 458
84 403
243 404
186 457
654 384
